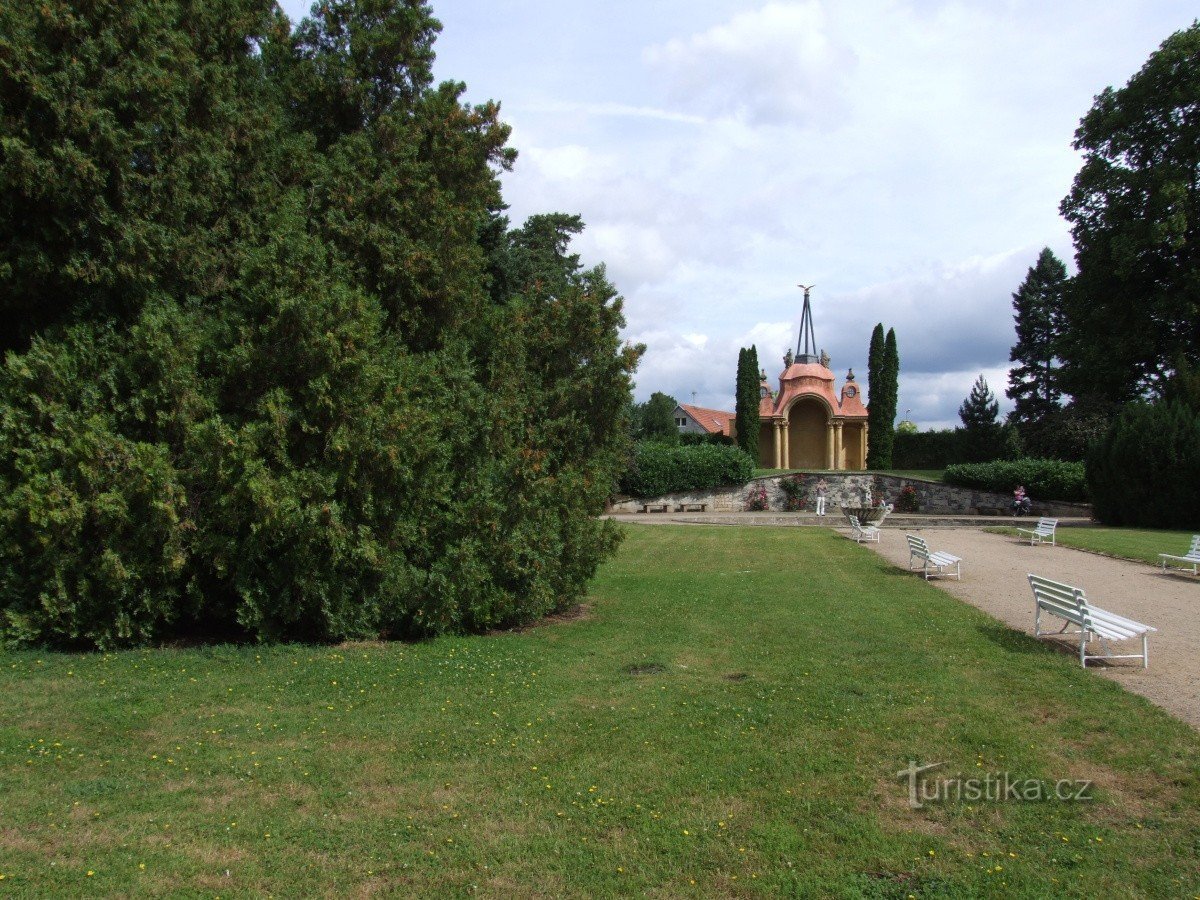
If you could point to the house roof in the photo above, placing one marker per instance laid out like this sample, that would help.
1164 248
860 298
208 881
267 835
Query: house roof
714 421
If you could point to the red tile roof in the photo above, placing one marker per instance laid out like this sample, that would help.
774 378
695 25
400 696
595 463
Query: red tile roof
714 421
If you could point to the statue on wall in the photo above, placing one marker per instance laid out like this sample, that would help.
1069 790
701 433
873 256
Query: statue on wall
788 359
825 358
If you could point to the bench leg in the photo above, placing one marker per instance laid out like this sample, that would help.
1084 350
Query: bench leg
1145 653
1083 639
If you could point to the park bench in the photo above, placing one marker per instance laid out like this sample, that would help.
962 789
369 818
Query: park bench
655 507
691 507
1192 557
863 532
934 563
1069 603
1041 532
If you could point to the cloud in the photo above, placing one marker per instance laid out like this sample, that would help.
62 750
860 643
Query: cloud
779 63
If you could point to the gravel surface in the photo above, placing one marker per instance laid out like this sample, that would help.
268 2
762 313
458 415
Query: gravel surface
993 579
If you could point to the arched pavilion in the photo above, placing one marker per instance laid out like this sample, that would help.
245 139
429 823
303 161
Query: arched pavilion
808 423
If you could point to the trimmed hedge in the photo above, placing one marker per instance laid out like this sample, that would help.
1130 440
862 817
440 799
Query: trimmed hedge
1146 471
1044 479
659 469
927 449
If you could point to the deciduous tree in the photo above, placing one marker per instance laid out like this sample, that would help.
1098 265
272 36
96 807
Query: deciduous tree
1134 210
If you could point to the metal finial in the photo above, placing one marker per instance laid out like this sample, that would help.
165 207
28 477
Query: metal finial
806 346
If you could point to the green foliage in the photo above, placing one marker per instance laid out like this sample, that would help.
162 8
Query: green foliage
905 426
746 418
1067 432
890 395
906 500
691 439
877 394
654 420
927 449
293 376
1146 470
1037 312
1044 479
795 492
981 427
659 469
1134 210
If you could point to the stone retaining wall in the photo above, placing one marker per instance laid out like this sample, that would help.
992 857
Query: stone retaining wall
853 489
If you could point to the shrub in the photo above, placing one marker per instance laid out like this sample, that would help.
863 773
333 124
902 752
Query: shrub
906 501
1146 470
1044 479
692 439
795 492
658 469
756 499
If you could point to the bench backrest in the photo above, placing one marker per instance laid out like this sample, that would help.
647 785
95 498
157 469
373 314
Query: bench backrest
1064 600
1194 550
1046 526
916 545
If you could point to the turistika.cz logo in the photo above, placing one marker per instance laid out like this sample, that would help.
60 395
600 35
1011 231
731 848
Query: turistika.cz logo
990 787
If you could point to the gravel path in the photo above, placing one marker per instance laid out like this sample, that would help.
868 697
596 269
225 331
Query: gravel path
994 570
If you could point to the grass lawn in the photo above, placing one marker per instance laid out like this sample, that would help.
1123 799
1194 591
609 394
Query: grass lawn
726 718
1129 543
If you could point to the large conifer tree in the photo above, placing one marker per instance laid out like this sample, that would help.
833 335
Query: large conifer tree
278 366
1037 312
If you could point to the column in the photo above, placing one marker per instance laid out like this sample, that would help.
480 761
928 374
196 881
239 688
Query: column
830 457
837 445
787 451
865 436
778 446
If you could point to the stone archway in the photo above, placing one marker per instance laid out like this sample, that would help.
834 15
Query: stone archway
806 423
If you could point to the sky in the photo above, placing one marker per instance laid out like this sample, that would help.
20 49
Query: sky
905 157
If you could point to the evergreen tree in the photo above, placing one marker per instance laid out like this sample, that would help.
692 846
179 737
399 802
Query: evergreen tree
877 394
981 427
278 367
656 419
746 417
891 381
1037 312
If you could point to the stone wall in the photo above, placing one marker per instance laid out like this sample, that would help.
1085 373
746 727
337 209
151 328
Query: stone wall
854 489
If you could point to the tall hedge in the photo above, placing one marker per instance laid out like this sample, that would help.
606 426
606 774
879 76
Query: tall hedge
659 469
1044 479
278 368
1146 470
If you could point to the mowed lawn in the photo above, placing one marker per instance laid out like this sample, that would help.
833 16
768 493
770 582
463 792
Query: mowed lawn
1143 544
726 717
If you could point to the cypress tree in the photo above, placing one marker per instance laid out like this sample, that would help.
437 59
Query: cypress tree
746 419
891 380
877 396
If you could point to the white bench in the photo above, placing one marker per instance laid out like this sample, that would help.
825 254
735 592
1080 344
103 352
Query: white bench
863 532
935 563
1192 557
1043 530
1069 603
